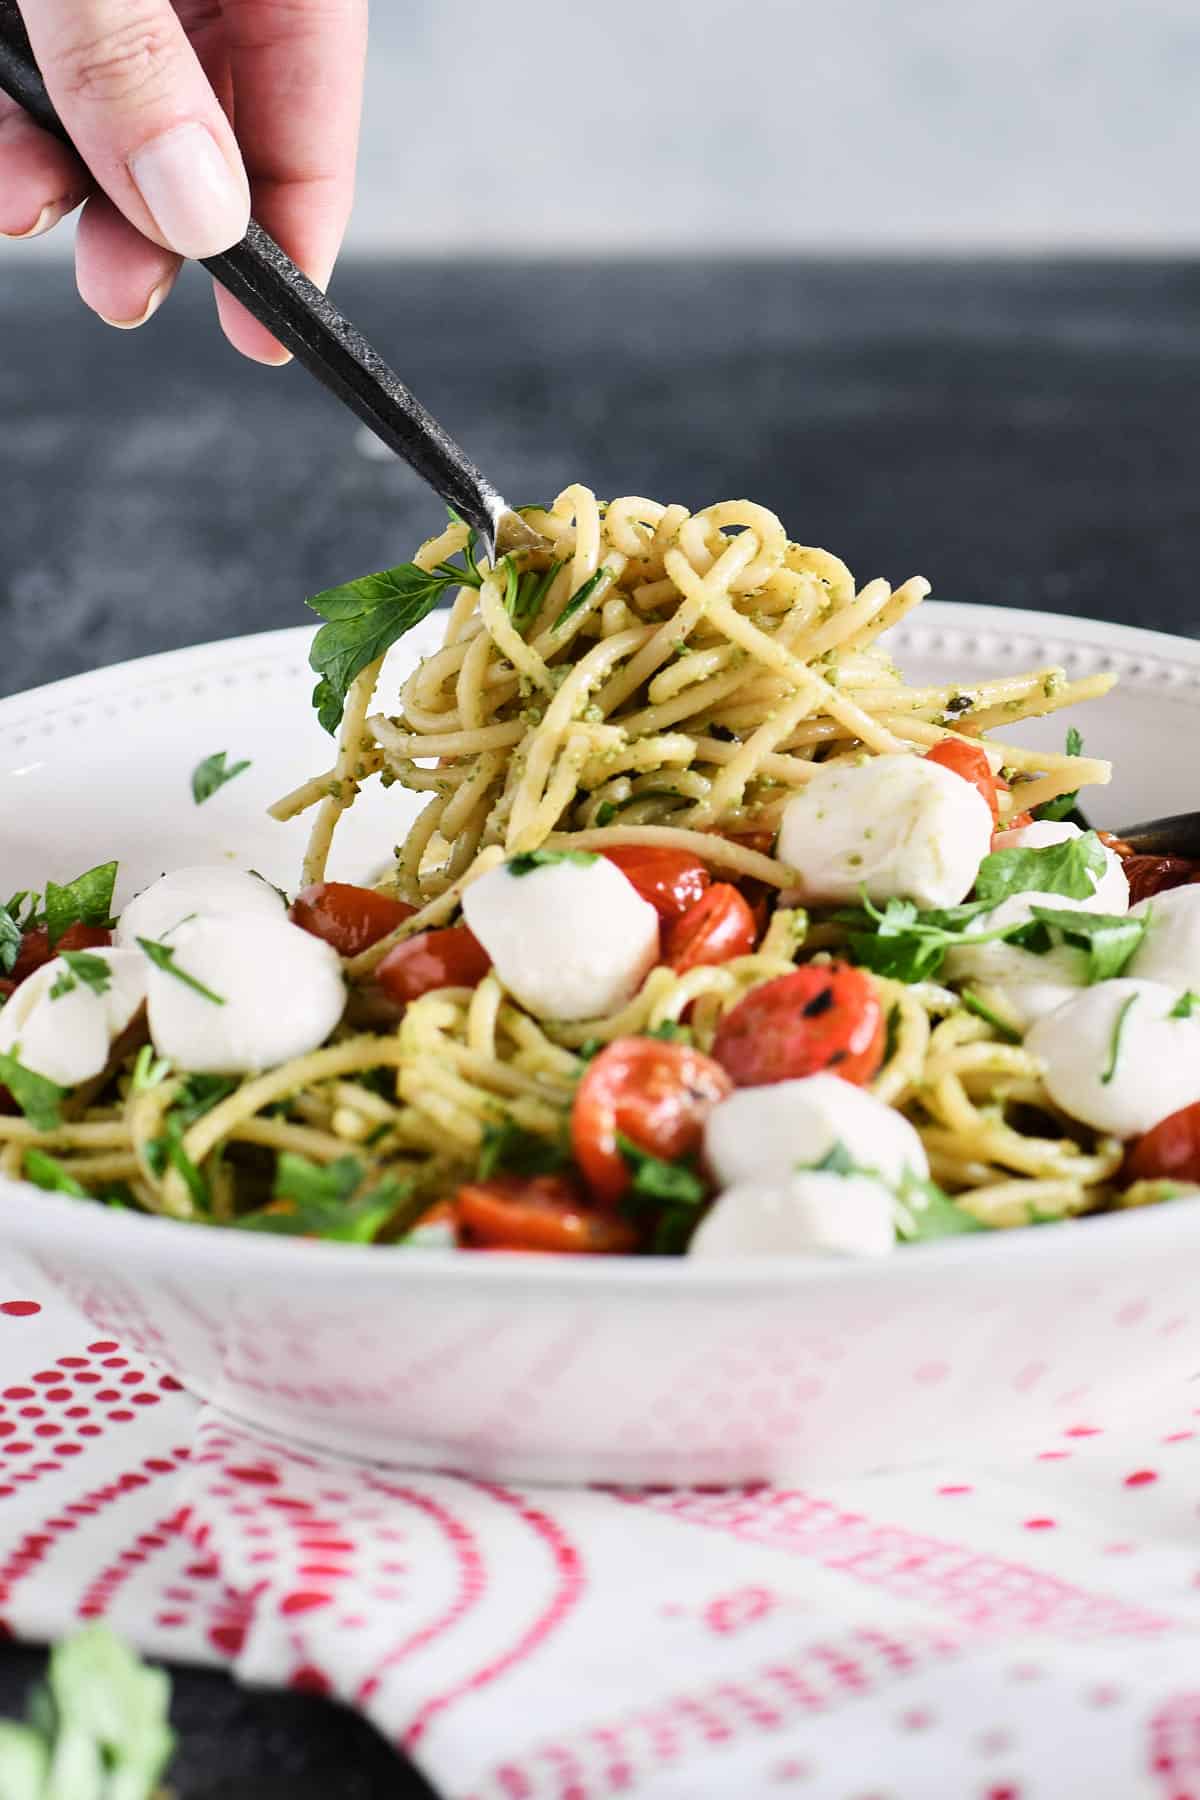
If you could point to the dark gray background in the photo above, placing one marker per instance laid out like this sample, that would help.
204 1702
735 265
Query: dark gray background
1022 433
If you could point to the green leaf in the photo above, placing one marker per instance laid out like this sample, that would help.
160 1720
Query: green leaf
1065 804
581 596
529 860
837 1160
364 618
10 941
676 1183
103 1717
1110 939
530 596
85 901
163 957
169 1149
93 971
606 812
924 1212
311 1200
1114 1045
47 1172
39 1099
507 1148
1185 1006
148 1070
1073 869
198 1095
212 774
980 1008
671 1032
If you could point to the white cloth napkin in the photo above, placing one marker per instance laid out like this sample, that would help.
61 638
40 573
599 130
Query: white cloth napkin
1019 1632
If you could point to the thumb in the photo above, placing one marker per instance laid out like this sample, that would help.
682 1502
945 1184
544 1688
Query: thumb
130 91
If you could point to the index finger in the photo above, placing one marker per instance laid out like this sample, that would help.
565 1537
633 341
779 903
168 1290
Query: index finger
297 68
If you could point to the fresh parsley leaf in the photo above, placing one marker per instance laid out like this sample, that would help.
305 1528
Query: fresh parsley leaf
98 1726
676 1183
198 1095
581 596
148 1070
529 860
1065 804
1114 1046
39 1099
837 1160
924 1212
1110 939
983 1011
364 618
1066 869
530 595
1185 1006
311 1200
93 971
169 1149
10 941
590 1048
211 774
47 1172
85 901
507 1147
606 812
163 957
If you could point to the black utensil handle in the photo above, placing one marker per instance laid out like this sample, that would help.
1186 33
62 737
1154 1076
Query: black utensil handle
295 311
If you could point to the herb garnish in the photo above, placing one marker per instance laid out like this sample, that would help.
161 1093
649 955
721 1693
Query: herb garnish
582 595
212 774
526 595
311 1200
529 860
674 1191
10 941
508 1148
83 966
1073 869
364 618
983 1011
924 1212
85 901
1114 1045
39 1099
163 957
48 1173
1065 804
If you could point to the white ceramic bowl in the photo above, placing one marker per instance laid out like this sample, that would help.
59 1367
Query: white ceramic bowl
561 1369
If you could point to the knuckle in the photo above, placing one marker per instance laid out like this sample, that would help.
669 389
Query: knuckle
125 60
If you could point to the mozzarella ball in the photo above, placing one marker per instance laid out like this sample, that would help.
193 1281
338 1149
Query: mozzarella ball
764 1133
1170 950
69 1039
894 825
280 994
568 939
1115 1058
1110 893
1032 986
184 893
812 1214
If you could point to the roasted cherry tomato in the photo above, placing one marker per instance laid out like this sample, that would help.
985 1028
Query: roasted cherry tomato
1155 874
657 1094
671 880
719 926
451 957
1170 1149
815 1020
969 761
348 917
35 951
536 1212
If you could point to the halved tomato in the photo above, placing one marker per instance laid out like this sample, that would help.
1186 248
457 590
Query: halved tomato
655 1093
348 917
969 761
548 1213
451 957
719 926
671 880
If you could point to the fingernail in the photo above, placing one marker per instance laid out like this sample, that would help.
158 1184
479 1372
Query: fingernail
157 296
200 205
46 219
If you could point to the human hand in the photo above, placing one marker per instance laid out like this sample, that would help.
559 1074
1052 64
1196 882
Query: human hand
147 90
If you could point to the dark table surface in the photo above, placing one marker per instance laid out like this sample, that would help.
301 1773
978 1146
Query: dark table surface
1023 433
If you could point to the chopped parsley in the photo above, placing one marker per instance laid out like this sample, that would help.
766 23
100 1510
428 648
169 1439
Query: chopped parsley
163 957
148 1070
925 1212
48 1173
212 774
85 901
983 1011
1114 1046
509 1149
581 596
323 1201
1185 1006
529 860
10 941
1073 869
526 595
83 966
671 1032
673 1191
168 1149
39 1099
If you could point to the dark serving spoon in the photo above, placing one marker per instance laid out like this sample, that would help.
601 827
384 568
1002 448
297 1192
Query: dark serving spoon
1176 835
281 297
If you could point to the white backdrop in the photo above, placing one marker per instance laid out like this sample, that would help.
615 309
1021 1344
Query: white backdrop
543 125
